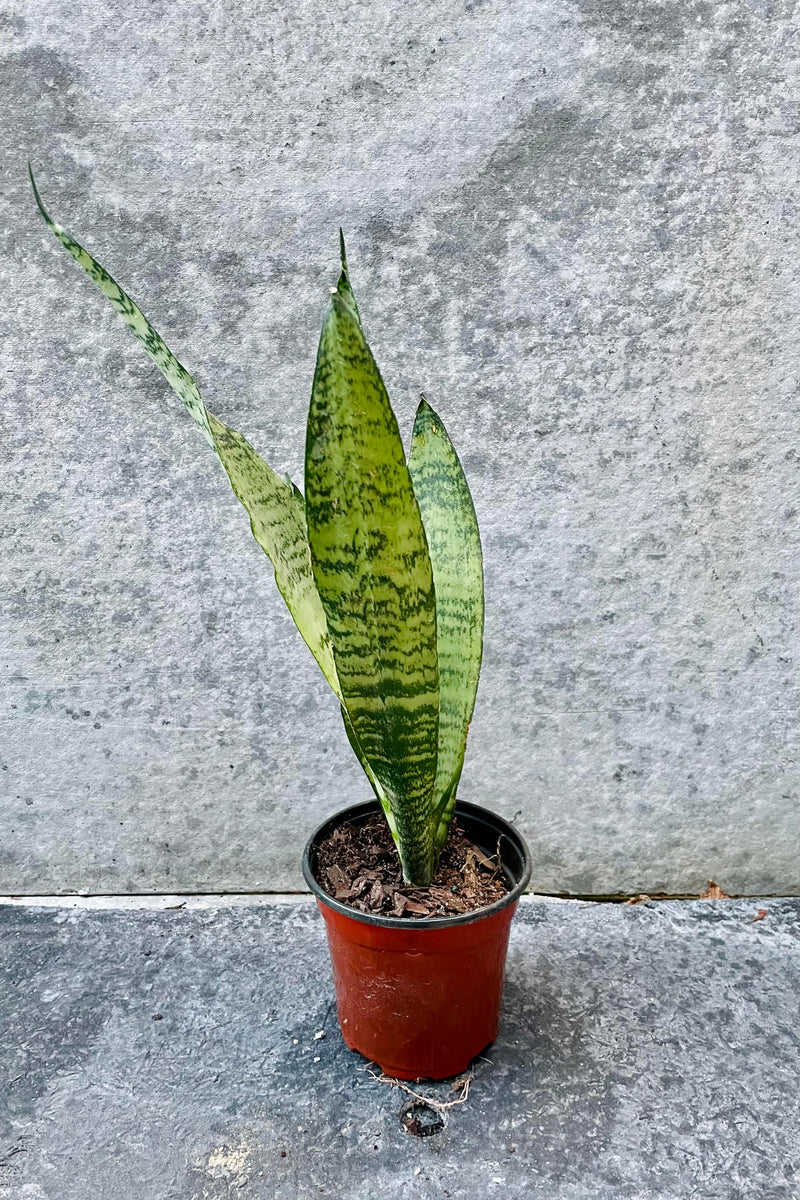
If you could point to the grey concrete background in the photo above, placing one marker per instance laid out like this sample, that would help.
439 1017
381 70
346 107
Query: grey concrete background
644 1053
573 225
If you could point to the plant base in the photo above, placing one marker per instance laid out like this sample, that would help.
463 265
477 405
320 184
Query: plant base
421 998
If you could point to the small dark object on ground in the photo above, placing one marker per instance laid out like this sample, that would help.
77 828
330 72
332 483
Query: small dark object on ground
358 865
421 1119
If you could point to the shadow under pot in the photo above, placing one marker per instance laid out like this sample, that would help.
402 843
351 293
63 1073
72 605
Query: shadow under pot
421 996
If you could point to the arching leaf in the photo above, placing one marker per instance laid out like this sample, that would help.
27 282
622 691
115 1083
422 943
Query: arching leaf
274 505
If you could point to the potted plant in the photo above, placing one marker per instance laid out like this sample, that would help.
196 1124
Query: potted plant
380 566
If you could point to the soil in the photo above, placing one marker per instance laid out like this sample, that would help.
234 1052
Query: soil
358 865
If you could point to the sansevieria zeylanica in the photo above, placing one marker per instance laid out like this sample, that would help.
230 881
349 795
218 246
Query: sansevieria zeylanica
379 563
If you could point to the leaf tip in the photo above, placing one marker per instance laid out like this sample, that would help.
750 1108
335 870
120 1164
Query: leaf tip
54 225
36 195
426 419
342 251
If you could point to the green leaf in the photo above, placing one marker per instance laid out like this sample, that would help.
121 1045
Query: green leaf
274 505
176 376
451 528
343 286
373 574
377 788
277 520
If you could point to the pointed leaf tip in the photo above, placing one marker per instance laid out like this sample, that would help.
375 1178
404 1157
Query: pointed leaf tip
423 408
37 197
343 292
342 251
426 419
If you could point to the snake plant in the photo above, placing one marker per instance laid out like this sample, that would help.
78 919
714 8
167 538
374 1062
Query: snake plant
379 563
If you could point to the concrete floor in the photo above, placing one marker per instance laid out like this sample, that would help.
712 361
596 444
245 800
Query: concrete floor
161 1053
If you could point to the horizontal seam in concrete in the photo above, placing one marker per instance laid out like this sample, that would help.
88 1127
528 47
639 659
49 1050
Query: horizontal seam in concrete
200 900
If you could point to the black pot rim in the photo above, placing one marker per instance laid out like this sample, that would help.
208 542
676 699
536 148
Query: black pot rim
501 828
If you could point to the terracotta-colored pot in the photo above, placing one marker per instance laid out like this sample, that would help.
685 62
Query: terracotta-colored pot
421 997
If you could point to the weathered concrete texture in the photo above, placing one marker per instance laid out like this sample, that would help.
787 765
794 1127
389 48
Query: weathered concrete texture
645 1053
573 224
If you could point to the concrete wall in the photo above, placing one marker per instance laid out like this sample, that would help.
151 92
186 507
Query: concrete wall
573 225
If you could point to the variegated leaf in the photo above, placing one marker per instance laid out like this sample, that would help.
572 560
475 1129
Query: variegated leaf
373 573
277 521
176 375
375 783
274 505
343 286
454 544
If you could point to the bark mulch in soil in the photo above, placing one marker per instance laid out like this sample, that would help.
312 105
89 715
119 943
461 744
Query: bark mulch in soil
358 865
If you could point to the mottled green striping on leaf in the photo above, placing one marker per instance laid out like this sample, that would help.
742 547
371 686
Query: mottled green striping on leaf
393 720
373 573
274 505
383 799
176 375
454 544
277 520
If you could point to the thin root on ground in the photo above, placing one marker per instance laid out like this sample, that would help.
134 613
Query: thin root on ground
462 1083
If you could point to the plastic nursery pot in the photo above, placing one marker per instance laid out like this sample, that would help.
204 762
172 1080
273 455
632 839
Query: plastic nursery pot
421 997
